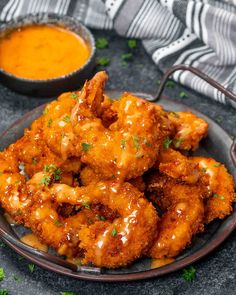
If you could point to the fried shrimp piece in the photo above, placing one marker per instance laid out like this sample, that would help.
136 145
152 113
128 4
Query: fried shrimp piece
13 195
88 176
130 145
183 215
34 149
189 130
119 242
30 203
57 128
222 186
180 167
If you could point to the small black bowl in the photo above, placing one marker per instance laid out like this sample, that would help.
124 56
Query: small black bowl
53 86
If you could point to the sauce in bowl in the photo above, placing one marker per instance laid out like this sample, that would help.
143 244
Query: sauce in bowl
42 52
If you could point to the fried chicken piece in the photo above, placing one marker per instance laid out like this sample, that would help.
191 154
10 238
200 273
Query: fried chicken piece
127 237
183 215
189 130
222 186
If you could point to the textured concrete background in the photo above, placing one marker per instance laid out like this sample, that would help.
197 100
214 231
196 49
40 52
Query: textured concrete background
216 274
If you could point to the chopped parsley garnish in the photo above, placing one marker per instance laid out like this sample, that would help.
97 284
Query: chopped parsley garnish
62 136
215 195
216 164
2 274
146 142
2 245
204 170
56 172
177 142
74 95
4 292
20 258
58 223
45 180
67 119
219 119
67 293
114 232
101 43
123 144
100 217
189 274
46 110
126 56
86 146
31 267
132 43
136 140
182 94
86 205
222 197
49 123
49 168
103 61
170 84
16 278
34 161
175 114
166 143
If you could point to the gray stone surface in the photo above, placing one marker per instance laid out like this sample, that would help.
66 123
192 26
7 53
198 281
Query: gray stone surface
216 274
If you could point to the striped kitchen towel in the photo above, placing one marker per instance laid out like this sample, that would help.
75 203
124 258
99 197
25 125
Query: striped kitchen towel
201 33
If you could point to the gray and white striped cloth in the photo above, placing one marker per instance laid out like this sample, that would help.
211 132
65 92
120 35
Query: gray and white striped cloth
201 33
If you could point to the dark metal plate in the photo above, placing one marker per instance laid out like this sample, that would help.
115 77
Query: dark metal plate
217 145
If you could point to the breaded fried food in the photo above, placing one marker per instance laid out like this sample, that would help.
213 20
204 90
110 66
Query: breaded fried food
130 145
222 186
88 175
78 175
178 166
38 147
127 237
183 216
189 130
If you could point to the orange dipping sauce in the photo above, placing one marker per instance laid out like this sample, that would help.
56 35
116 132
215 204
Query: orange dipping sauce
42 51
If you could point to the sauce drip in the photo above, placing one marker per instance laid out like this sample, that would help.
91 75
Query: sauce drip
156 263
42 52
33 241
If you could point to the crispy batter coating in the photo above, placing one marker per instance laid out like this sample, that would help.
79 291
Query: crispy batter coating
120 242
222 186
183 215
130 145
88 175
178 166
189 130
34 149
116 150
